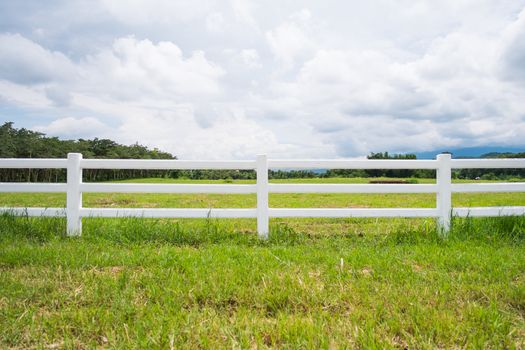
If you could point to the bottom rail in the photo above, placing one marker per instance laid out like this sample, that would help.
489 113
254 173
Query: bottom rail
352 212
273 212
488 211
49 212
169 212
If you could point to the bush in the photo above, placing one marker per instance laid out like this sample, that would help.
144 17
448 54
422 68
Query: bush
489 176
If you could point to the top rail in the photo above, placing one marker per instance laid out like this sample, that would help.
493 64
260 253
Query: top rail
353 164
162 164
516 163
33 163
158 164
490 187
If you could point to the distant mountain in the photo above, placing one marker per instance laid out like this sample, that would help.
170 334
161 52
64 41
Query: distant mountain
470 152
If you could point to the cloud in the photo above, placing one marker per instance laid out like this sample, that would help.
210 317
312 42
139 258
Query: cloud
73 128
513 51
243 11
181 134
23 96
215 22
145 12
134 69
148 89
130 69
250 58
59 95
290 40
367 100
25 62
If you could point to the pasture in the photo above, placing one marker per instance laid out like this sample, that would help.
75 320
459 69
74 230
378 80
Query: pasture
211 283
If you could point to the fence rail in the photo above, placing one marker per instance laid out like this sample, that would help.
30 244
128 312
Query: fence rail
443 164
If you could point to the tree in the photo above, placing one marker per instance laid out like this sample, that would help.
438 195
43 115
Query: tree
24 143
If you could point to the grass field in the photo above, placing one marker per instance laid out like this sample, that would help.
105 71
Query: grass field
316 283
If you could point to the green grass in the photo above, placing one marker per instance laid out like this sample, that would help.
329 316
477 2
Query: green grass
315 283
138 283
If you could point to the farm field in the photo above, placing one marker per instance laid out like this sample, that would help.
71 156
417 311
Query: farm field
316 283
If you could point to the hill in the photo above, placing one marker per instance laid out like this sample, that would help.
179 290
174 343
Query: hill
471 152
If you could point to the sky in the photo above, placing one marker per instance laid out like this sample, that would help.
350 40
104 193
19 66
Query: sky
291 79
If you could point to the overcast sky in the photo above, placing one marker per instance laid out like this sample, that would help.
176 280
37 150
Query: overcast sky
231 79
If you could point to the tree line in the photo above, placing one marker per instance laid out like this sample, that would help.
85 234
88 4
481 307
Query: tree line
493 174
484 174
396 173
25 143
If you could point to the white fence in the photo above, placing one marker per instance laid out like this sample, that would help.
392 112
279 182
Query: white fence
74 211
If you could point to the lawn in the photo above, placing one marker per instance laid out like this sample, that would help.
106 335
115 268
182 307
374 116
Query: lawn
316 283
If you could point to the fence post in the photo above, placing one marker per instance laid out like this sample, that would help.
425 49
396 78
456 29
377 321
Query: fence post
74 196
262 197
444 193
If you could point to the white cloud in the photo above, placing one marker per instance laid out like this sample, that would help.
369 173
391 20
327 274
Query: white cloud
70 127
215 22
290 40
303 15
23 96
365 100
150 11
174 128
513 50
25 62
131 70
136 69
243 11
59 95
150 90
250 58
232 136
